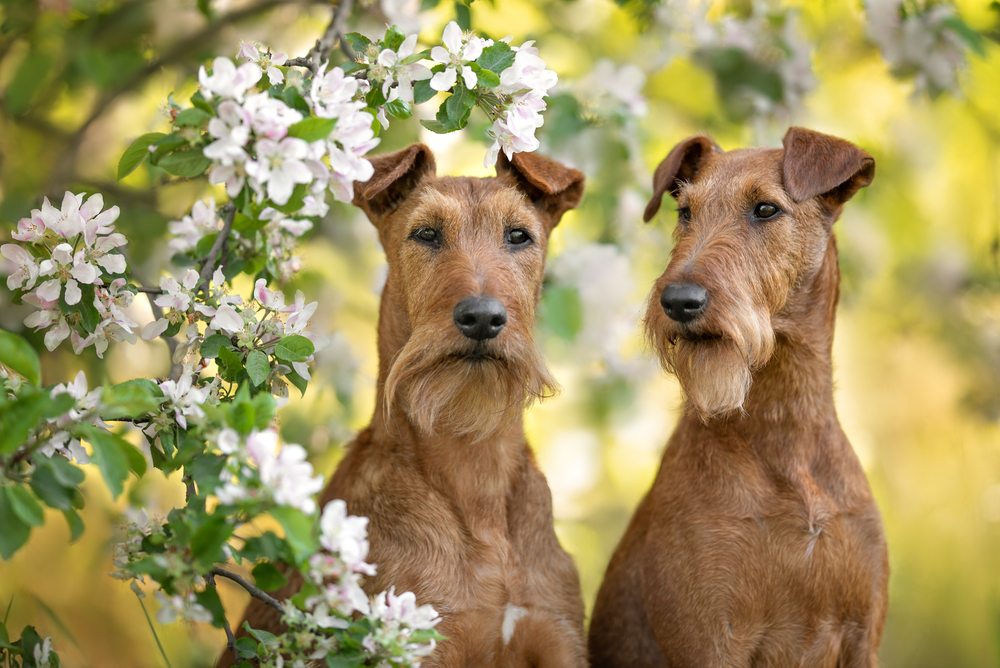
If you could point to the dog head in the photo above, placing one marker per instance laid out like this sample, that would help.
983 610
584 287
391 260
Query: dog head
466 261
754 226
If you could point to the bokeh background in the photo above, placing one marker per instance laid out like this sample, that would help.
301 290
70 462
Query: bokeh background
917 350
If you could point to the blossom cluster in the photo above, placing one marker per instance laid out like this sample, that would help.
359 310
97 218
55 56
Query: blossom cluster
70 267
251 142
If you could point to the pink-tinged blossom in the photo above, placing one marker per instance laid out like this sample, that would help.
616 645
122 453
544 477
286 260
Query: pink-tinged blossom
227 319
227 80
280 166
345 535
285 475
69 271
528 72
332 94
504 139
189 230
269 299
231 129
455 55
270 117
185 398
234 176
87 402
403 609
23 277
392 68
267 61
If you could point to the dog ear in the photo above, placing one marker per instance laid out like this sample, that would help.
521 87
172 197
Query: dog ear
818 165
551 186
681 164
396 175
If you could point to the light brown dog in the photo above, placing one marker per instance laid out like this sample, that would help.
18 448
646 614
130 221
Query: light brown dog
759 543
459 512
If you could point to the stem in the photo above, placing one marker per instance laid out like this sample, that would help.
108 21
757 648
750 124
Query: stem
208 266
155 636
333 35
257 593
230 639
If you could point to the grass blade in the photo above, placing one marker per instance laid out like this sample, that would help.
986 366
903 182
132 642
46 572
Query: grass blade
155 637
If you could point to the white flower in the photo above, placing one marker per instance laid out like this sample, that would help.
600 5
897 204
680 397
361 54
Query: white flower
27 269
234 176
231 129
504 139
528 71
394 68
227 80
403 609
70 270
185 398
280 166
345 535
270 117
228 441
608 89
286 474
267 61
332 94
183 607
227 319
274 300
455 55
190 229
42 652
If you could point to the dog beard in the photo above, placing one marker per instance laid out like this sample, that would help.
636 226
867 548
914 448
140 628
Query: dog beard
715 371
470 394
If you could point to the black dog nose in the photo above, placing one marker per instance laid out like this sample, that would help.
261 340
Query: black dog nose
480 318
684 302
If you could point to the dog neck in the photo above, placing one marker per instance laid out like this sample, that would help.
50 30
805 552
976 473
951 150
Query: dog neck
795 388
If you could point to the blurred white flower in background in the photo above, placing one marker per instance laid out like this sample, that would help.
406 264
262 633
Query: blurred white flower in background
608 90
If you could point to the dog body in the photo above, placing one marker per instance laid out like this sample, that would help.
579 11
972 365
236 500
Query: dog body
759 543
459 512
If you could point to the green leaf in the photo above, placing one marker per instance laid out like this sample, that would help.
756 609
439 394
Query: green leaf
437 127
113 456
298 530
187 163
205 7
246 648
264 408
25 506
211 345
345 659
20 418
17 354
358 41
257 367
209 598
562 311
267 577
65 472
13 531
295 348
496 58
206 544
49 489
30 75
312 129
230 364
399 109
294 202
166 145
486 78
298 381
191 118
199 101
463 17
351 68
422 91
131 399
394 38
75 523
969 35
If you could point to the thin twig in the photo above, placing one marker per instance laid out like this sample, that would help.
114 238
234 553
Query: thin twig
256 592
149 291
230 638
221 242
333 35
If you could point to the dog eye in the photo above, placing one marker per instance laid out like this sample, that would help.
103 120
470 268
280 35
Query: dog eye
765 210
518 237
427 235
684 214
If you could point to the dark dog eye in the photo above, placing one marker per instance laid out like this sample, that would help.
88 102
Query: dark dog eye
518 237
765 210
684 215
427 235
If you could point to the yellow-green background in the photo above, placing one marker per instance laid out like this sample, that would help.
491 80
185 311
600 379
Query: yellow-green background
917 351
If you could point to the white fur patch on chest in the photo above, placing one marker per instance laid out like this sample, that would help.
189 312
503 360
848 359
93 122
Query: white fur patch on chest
510 617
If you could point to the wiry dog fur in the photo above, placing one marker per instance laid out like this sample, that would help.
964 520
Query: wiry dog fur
459 512
759 543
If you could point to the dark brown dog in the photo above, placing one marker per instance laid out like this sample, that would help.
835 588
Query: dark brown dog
459 512
759 543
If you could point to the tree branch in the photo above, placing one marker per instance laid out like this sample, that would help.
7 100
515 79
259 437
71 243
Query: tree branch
333 35
230 638
218 248
257 593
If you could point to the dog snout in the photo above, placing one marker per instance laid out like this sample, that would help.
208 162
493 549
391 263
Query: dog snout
480 318
684 302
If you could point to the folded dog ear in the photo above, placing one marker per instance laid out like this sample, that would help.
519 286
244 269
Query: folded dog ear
396 175
681 164
818 165
551 186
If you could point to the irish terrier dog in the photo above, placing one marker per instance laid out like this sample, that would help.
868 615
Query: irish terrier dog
460 513
759 543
